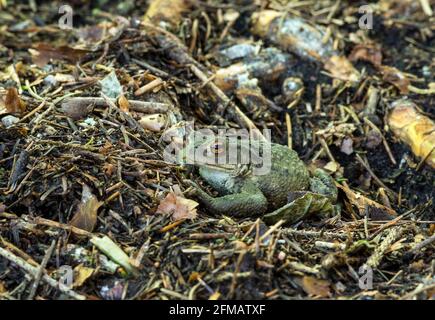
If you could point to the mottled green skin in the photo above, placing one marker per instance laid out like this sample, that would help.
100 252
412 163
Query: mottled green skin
253 195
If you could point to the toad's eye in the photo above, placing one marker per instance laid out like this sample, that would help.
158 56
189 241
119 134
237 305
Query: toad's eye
217 148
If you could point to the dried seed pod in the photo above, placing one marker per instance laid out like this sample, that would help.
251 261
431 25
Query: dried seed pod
414 129
296 35
267 66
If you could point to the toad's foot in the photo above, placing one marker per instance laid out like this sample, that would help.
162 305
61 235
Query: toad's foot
322 183
301 207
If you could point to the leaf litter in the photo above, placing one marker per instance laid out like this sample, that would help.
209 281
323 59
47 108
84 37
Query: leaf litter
87 113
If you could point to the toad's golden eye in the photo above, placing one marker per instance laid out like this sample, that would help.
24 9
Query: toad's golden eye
217 148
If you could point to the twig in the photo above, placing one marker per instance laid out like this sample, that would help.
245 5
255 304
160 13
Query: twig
384 141
307 233
420 288
148 87
372 174
237 113
34 271
422 244
41 271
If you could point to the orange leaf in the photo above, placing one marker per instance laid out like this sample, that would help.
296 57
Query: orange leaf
124 105
316 287
179 207
13 102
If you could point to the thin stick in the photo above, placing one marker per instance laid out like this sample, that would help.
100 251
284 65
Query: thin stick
41 271
241 117
372 174
384 141
34 270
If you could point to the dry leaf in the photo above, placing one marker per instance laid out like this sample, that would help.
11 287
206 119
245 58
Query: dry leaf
369 52
81 274
43 52
85 217
396 78
341 68
123 103
316 287
169 11
179 207
414 129
376 210
13 102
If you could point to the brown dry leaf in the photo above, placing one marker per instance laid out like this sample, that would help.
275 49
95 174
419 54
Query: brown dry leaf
43 52
376 210
341 68
85 217
91 34
123 103
369 52
13 102
179 207
169 11
316 287
109 169
81 274
2 287
396 78
414 129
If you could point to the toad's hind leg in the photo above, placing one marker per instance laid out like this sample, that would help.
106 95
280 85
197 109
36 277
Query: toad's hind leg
300 208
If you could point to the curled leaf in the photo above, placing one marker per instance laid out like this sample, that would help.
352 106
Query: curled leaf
13 102
316 287
179 207
85 217
396 78
414 129
367 52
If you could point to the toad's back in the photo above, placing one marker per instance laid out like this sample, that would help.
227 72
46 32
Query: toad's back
288 173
